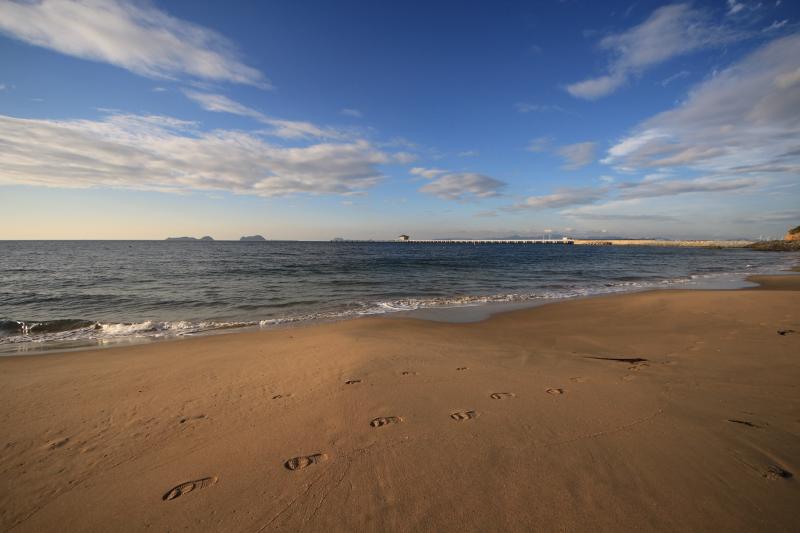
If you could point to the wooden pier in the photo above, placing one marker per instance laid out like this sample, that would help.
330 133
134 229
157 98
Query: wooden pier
470 241
489 241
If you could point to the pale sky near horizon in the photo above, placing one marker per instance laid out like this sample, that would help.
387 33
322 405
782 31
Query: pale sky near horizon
362 119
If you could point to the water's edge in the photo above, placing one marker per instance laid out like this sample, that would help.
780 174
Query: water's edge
453 310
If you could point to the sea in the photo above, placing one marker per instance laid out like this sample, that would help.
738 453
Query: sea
60 295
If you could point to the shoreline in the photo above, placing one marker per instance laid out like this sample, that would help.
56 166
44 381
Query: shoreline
613 412
482 309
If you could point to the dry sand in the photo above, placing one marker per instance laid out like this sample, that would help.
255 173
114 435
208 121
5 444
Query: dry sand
657 411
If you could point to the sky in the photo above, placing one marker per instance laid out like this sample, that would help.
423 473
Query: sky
313 120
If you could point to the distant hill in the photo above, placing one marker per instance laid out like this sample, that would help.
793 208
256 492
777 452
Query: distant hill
206 238
252 238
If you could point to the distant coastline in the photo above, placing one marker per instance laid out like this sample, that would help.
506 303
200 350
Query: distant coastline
183 239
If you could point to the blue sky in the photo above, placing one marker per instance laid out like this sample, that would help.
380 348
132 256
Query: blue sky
314 120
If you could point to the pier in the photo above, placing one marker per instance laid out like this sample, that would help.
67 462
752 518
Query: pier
468 241
490 241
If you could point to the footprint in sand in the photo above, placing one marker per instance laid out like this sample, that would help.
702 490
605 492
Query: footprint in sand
189 486
352 381
408 373
385 421
774 473
784 332
578 379
196 417
298 463
57 443
501 395
462 368
555 392
460 416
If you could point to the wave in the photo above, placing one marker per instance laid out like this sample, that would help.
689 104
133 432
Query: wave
20 332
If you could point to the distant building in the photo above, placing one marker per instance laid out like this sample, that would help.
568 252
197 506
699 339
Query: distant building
403 238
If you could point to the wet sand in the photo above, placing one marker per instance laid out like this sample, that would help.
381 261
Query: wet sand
655 411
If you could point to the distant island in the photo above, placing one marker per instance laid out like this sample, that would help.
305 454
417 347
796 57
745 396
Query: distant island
206 238
252 238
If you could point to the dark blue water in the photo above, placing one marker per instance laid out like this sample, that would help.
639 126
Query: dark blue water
58 292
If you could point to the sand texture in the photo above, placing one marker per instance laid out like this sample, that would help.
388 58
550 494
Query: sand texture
656 411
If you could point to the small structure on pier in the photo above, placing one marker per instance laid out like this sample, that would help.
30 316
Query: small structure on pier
403 238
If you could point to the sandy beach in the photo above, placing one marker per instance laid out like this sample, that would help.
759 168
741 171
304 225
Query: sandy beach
655 411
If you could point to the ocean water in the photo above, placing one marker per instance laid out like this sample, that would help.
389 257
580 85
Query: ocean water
64 294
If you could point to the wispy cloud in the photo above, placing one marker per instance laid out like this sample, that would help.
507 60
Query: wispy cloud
354 113
776 25
458 185
287 129
133 35
564 197
673 187
633 217
670 31
677 76
780 217
427 173
165 154
525 107
743 121
540 144
735 6
575 156
652 186
578 155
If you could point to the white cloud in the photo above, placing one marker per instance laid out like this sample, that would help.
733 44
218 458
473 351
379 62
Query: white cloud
355 113
613 194
286 129
745 120
776 25
595 88
670 31
468 153
564 197
734 7
458 185
619 216
678 75
578 155
132 35
165 154
3 86
671 187
427 173
220 103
